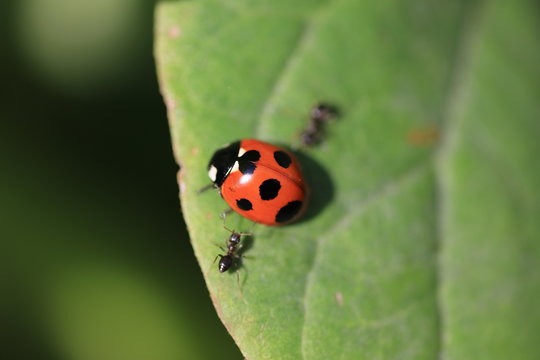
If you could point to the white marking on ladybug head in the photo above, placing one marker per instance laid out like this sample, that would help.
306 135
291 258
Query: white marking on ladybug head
235 167
241 152
212 172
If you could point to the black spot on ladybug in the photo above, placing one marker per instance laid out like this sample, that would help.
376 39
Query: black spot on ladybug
244 204
289 211
246 167
269 189
251 155
282 158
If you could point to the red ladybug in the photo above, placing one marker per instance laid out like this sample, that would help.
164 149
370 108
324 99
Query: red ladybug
260 181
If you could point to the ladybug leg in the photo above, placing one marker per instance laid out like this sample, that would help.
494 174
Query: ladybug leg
224 214
206 187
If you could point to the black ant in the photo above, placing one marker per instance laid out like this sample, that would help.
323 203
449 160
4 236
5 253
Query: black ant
319 115
233 246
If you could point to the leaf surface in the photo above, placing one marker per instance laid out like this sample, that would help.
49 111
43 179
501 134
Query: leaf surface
392 259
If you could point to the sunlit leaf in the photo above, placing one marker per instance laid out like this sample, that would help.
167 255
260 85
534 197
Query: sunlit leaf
421 238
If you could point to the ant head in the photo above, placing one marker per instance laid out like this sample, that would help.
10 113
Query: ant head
225 263
234 238
324 112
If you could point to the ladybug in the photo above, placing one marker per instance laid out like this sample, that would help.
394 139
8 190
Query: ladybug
260 181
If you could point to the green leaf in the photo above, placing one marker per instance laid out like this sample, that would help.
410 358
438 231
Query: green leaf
415 246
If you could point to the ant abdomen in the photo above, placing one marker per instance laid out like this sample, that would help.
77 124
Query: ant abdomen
225 263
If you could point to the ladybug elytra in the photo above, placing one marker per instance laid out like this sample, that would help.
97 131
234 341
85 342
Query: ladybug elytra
260 181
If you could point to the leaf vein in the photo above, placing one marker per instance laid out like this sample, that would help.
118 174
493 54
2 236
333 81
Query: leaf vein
283 76
386 190
451 109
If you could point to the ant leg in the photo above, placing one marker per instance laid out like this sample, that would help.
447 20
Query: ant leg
213 262
247 233
238 256
239 285
222 248
249 257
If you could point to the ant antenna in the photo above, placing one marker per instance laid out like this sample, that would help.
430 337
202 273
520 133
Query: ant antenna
239 233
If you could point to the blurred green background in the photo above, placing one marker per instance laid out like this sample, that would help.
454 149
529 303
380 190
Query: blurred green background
96 259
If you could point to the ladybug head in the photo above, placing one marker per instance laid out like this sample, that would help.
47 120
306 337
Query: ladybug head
222 162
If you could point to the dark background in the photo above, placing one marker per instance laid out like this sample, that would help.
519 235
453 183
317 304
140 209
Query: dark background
96 260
